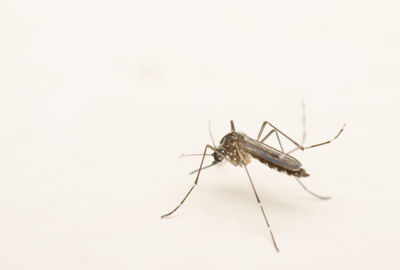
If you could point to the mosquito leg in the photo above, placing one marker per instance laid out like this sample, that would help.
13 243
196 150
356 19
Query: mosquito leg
303 118
277 137
266 136
298 146
318 144
261 131
197 177
259 201
262 209
312 193
303 140
277 130
298 180
195 182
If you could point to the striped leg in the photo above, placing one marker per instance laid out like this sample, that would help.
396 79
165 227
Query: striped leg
194 184
259 202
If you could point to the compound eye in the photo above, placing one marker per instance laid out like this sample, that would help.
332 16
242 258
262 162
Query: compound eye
217 157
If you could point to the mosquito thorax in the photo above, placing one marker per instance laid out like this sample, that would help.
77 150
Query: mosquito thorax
228 148
228 138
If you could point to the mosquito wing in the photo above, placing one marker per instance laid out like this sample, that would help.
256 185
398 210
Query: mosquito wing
267 154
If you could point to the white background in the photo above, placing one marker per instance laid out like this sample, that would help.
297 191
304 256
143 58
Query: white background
99 98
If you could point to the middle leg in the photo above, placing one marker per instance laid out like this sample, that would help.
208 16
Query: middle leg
259 201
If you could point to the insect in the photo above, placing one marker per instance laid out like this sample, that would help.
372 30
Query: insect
238 149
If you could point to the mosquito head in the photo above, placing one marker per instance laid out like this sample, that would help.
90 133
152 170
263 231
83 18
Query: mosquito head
227 145
217 157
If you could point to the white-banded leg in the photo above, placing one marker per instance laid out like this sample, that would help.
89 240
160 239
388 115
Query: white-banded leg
298 146
259 201
197 177
195 182
304 187
298 180
318 144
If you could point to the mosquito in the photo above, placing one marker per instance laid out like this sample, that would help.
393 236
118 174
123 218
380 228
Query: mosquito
238 149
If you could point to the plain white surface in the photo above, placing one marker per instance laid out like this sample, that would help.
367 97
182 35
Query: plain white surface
99 98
